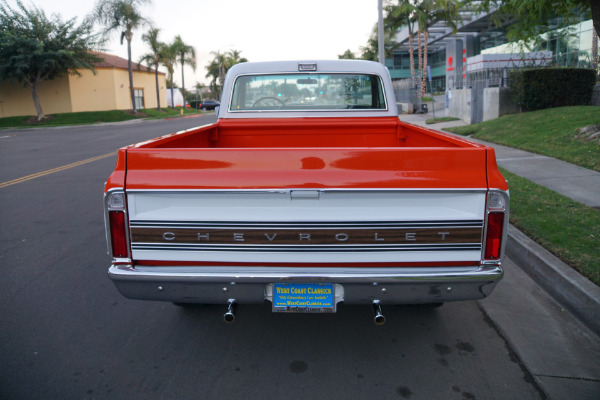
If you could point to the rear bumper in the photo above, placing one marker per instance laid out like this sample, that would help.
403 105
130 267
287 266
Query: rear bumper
216 285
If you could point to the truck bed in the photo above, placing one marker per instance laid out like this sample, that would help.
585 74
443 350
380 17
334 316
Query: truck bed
309 132
311 153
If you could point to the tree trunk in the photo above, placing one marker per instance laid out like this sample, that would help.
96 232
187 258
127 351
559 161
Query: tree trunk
172 95
157 89
131 91
424 76
594 50
420 76
182 83
412 59
36 100
595 6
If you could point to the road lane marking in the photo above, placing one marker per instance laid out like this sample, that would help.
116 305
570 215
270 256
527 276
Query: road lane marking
51 171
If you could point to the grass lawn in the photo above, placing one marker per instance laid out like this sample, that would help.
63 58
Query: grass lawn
568 229
92 117
550 132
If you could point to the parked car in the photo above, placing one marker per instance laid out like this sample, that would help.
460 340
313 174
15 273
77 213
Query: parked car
208 105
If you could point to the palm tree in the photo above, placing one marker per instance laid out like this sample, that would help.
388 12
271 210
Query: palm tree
428 12
234 57
152 59
186 55
123 16
424 13
217 68
398 17
168 58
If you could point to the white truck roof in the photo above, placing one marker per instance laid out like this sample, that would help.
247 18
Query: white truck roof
308 67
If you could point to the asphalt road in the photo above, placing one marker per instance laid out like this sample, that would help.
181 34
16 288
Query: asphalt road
66 333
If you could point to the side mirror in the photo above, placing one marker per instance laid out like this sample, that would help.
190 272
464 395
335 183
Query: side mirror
217 108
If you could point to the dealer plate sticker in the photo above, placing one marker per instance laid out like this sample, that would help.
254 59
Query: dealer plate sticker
303 297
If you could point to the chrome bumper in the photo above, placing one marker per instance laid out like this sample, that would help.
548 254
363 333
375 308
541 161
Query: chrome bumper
216 285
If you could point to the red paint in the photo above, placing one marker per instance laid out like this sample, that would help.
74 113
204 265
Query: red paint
284 168
305 153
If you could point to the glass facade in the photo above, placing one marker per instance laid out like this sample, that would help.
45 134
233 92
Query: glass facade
571 46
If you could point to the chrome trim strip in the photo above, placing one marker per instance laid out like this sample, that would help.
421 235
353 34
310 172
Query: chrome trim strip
337 275
311 225
287 191
305 248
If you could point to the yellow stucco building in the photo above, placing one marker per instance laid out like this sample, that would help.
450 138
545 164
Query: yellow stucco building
108 89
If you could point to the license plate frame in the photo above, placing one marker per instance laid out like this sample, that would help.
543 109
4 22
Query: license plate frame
304 297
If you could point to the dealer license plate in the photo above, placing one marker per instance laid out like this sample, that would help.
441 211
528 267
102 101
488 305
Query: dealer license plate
303 297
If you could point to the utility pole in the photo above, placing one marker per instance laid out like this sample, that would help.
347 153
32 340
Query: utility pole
380 43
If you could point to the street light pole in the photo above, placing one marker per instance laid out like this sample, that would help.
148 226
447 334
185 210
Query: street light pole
220 73
380 42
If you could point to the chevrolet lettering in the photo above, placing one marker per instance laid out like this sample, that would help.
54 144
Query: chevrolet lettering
340 237
307 193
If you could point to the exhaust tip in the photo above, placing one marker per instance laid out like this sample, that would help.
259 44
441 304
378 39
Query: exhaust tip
379 318
229 316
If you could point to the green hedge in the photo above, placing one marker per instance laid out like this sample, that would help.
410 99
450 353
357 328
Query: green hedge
539 88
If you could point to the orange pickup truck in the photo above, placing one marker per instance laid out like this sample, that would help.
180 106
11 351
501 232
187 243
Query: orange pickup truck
307 192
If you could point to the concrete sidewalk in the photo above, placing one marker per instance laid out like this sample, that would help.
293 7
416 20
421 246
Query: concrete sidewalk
570 289
574 291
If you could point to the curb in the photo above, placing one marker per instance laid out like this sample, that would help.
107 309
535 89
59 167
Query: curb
184 116
579 295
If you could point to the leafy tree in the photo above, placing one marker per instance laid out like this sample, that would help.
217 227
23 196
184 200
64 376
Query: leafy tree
123 16
371 50
195 96
347 55
185 55
529 18
34 48
153 58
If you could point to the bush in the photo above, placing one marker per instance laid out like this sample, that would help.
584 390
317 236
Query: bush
539 88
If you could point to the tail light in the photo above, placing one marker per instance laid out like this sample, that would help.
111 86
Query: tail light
495 234
116 225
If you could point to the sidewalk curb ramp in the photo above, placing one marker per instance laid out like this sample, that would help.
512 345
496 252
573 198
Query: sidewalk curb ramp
579 295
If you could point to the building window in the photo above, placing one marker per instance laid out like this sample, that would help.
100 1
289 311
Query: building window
138 95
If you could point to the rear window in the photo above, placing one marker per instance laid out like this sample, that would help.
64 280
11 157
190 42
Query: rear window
306 92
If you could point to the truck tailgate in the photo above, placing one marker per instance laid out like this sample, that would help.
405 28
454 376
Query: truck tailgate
306 205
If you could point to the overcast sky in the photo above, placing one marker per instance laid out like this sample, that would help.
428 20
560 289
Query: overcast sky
263 30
